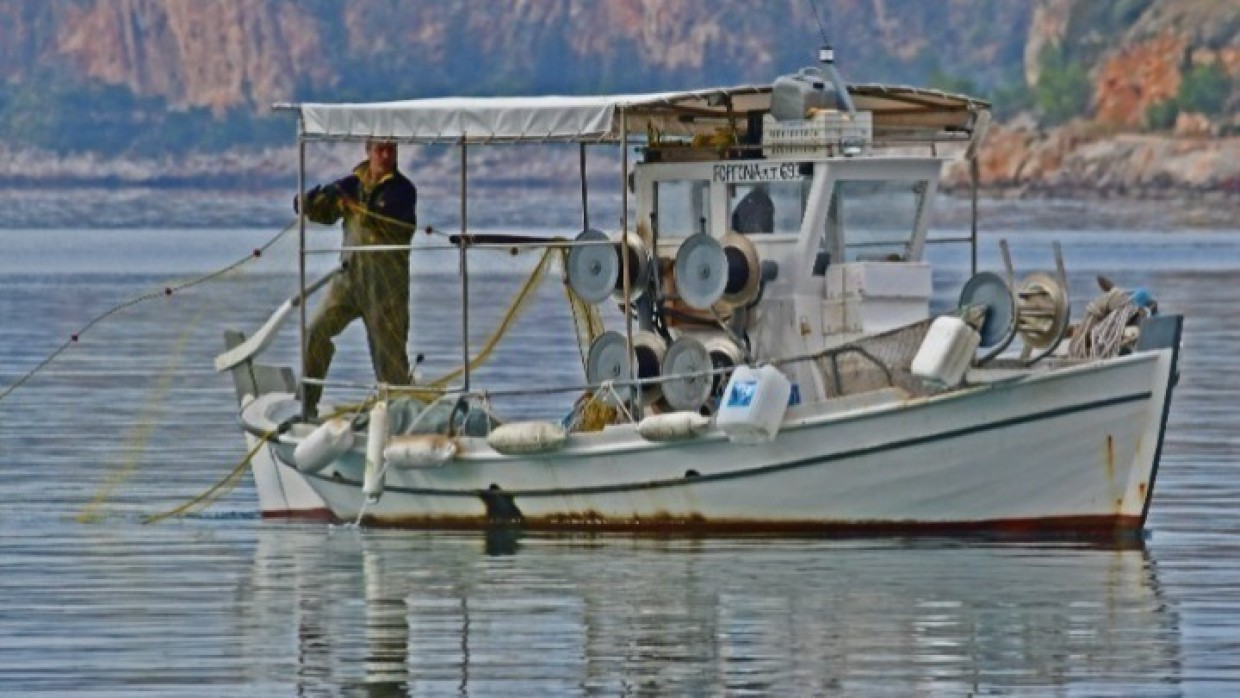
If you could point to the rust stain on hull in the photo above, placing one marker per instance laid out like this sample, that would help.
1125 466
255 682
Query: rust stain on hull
321 514
1110 457
590 521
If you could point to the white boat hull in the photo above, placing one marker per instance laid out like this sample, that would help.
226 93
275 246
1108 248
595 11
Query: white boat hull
282 490
1074 449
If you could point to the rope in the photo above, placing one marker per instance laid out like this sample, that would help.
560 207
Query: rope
1101 333
216 491
587 323
166 291
515 307
141 434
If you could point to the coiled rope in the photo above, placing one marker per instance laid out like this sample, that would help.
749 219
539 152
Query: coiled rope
1101 333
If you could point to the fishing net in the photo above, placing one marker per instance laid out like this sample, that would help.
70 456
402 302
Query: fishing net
112 375
871 363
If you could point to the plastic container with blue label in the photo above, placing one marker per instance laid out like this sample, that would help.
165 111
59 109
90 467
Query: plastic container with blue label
753 404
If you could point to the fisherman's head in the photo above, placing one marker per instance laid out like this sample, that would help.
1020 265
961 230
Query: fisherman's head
382 156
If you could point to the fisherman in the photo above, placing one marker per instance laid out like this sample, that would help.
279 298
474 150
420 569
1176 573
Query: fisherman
756 212
378 205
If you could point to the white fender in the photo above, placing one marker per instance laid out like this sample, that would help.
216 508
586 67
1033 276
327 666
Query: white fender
673 426
419 451
376 442
519 438
324 445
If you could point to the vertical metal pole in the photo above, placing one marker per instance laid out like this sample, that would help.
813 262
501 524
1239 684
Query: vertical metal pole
974 175
464 264
624 255
585 205
301 252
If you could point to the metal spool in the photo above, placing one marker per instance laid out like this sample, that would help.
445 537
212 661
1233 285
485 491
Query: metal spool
744 270
593 270
1042 310
701 271
724 353
640 264
687 355
649 350
990 290
608 360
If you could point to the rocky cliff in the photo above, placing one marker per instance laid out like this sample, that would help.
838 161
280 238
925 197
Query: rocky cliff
226 53
1085 87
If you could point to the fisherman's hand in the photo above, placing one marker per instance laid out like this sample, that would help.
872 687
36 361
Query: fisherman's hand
310 196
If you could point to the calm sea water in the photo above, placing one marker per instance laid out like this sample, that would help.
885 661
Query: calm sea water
131 421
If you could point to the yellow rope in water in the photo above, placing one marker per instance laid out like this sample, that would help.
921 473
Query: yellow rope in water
588 326
213 493
141 434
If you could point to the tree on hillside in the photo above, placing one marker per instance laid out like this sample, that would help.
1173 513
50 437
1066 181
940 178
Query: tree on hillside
1205 89
1064 90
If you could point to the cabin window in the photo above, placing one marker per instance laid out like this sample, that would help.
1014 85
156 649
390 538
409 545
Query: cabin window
682 207
875 218
767 207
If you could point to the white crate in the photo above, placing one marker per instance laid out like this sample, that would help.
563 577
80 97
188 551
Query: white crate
827 132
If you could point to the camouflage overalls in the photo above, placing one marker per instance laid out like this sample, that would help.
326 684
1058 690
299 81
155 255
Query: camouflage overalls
374 286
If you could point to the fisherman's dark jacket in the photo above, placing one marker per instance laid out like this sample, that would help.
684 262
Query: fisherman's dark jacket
379 213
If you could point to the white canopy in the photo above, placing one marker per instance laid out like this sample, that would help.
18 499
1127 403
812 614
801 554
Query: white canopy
597 118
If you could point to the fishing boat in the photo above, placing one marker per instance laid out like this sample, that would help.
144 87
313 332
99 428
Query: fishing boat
777 368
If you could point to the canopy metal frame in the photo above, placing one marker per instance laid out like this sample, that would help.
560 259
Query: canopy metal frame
900 114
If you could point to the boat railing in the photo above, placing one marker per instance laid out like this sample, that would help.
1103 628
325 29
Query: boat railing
891 368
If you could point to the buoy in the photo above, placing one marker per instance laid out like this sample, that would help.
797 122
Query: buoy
673 426
376 442
520 438
419 451
324 445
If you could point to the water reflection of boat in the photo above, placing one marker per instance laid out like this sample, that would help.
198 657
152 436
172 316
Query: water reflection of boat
436 613
784 374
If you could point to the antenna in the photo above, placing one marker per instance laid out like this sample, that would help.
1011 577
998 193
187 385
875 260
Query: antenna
822 27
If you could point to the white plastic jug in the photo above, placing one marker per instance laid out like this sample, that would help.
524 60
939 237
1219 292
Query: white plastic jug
753 404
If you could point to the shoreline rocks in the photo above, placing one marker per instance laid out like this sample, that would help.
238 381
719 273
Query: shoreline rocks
1075 161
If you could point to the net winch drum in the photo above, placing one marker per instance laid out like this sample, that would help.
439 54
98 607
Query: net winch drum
687 355
744 270
1042 310
593 269
606 362
701 271
990 290
641 263
724 354
650 349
